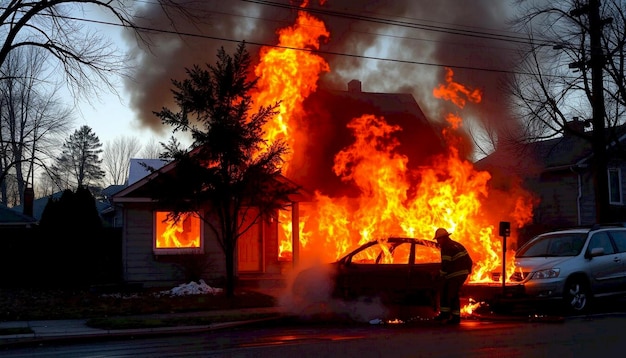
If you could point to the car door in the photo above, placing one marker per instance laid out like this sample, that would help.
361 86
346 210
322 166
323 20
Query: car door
425 269
619 239
378 271
605 270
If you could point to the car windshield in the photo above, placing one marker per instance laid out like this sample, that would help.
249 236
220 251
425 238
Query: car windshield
563 244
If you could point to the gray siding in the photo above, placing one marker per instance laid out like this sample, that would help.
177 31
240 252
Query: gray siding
141 265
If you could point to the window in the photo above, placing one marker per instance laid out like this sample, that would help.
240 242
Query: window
619 238
602 240
181 237
615 186
384 253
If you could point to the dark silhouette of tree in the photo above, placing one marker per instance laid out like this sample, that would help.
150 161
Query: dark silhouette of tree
70 233
229 169
80 164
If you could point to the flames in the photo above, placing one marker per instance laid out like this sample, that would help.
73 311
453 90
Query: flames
183 233
392 200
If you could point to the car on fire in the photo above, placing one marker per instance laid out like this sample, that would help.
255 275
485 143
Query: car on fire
394 270
570 266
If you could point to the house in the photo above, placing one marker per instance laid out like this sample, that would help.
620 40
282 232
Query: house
12 219
159 252
105 209
559 172
148 262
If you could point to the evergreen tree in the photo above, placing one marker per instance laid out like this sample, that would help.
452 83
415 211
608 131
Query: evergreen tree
80 163
229 167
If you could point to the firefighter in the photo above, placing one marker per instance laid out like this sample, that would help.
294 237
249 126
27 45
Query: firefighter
456 265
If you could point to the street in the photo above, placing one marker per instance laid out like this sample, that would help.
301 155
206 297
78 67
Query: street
574 336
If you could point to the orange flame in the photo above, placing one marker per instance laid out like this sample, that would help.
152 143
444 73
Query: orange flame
288 75
176 234
392 200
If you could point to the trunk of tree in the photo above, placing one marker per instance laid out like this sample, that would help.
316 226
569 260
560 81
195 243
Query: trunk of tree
230 270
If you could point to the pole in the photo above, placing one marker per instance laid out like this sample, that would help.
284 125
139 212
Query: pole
598 136
505 230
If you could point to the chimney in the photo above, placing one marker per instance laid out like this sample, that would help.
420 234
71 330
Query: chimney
29 198
576 126
354 86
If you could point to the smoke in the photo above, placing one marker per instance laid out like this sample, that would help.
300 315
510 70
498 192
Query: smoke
418 37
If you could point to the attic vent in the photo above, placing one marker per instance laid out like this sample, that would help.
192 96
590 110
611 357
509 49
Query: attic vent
354 86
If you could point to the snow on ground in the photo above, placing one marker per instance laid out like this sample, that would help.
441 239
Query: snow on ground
192 288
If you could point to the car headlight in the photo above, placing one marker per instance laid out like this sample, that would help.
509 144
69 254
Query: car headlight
548 273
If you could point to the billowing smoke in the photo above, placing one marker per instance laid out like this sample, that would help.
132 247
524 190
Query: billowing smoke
390 46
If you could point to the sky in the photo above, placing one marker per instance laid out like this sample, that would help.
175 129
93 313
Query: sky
416 37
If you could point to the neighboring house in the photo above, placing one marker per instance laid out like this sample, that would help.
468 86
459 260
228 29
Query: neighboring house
559 172
12 219
110 217
144 262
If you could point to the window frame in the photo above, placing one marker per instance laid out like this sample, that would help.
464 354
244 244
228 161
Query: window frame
176 250
612 172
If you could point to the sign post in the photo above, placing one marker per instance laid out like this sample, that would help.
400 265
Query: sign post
505 230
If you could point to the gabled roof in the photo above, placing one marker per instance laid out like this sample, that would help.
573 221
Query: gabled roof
140 168
568 151
142 171
12 218
325 124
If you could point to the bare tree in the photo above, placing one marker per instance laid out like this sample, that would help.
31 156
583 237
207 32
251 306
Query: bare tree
31 120
116 158
84 56
152 149
574 68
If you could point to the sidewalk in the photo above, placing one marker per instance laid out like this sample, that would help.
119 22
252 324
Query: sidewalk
55 330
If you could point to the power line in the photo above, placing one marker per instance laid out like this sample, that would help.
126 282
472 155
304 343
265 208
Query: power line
323 52
406 24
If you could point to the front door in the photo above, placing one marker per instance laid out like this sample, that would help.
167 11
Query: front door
249 251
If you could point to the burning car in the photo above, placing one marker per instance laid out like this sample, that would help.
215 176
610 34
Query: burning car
395 271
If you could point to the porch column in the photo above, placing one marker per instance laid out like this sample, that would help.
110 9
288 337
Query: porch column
295 233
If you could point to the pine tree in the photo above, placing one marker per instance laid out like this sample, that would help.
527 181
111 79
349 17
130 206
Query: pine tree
79 164
229 166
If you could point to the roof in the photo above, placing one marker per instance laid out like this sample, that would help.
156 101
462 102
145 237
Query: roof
13 218
325 124
140 168
565 152
102 204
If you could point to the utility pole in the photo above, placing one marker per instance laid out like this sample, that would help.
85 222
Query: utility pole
598 136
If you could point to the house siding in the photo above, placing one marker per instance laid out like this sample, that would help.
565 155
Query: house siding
141 265
558 204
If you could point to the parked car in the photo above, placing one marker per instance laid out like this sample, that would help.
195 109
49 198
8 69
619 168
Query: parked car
573 265
395 270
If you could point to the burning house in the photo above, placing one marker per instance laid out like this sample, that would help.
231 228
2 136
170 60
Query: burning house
156 252
374 164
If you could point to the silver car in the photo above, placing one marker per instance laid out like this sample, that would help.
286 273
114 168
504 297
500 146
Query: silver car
574 265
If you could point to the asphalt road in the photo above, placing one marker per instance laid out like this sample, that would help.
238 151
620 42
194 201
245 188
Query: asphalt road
592 335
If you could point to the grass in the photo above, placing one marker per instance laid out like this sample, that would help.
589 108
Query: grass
121 311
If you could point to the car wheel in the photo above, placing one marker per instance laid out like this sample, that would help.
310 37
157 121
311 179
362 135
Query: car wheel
577 296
